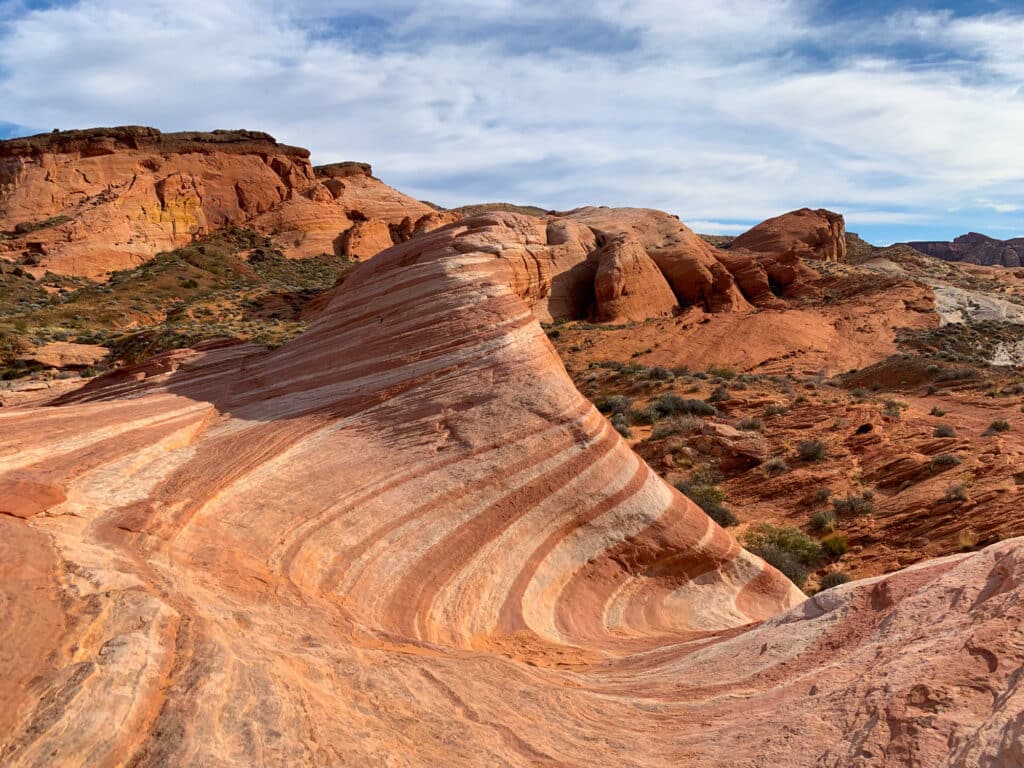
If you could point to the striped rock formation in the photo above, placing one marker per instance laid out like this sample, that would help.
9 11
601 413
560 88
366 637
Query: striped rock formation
405 539
88 202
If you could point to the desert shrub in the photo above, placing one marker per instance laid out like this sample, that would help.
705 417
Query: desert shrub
944 461
855 504
675 426
673 405
775 466
660 373
787 548
859 392
750 425
775 410
718 394
833 579
722 372
834 546
622 426
936 411
785 561
824 522
967 539
641 416
893 408
614 404
956 492
822 495
944 430
999 425
811 450
709 497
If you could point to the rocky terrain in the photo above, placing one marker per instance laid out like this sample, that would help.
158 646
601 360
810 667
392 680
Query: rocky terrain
522 488
85 203
975 248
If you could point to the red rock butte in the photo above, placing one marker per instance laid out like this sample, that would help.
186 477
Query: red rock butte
91 201
405 538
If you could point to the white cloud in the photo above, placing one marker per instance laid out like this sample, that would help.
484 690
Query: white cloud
713 111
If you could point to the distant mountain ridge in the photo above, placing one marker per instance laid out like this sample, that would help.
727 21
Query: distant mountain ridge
976 248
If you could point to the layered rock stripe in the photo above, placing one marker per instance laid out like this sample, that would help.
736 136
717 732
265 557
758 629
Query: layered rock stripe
405 538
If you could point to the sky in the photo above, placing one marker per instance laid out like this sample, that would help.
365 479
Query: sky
908 118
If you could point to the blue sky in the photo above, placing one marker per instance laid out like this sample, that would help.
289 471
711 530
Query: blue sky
906 117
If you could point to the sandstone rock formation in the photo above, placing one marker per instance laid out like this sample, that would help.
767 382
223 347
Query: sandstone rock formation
65 354
975 248
810 234
87 202
406 538
628 285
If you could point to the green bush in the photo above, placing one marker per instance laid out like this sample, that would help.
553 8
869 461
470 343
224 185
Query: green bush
775 466
944 430
956 492
855 504
999 425
718 394
673 405
824 522
787 548
751 425
893 409
722 372
675 426
936 411
614 404
641 416
944 461
775 410
834 546
811 450
622 426
833 579
708 497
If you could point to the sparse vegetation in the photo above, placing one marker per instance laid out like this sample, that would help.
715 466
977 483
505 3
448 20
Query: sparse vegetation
999 425
811 450
944 430
833 579
834 546
787 548
855 504
945 461
673 405
775 466
750 425
709 497
824 522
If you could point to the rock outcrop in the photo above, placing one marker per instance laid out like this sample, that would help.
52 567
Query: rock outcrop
809 234
406 538
88 202
628 285
975 248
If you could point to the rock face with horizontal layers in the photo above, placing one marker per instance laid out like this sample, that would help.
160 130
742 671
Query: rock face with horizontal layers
405 538
88 202
809 234
975 248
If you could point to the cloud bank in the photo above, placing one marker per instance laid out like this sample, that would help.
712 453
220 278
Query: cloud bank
909 122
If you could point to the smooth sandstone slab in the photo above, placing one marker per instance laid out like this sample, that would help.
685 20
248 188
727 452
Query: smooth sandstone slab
405 538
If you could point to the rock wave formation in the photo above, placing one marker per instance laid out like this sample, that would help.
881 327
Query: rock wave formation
88 202
405 538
